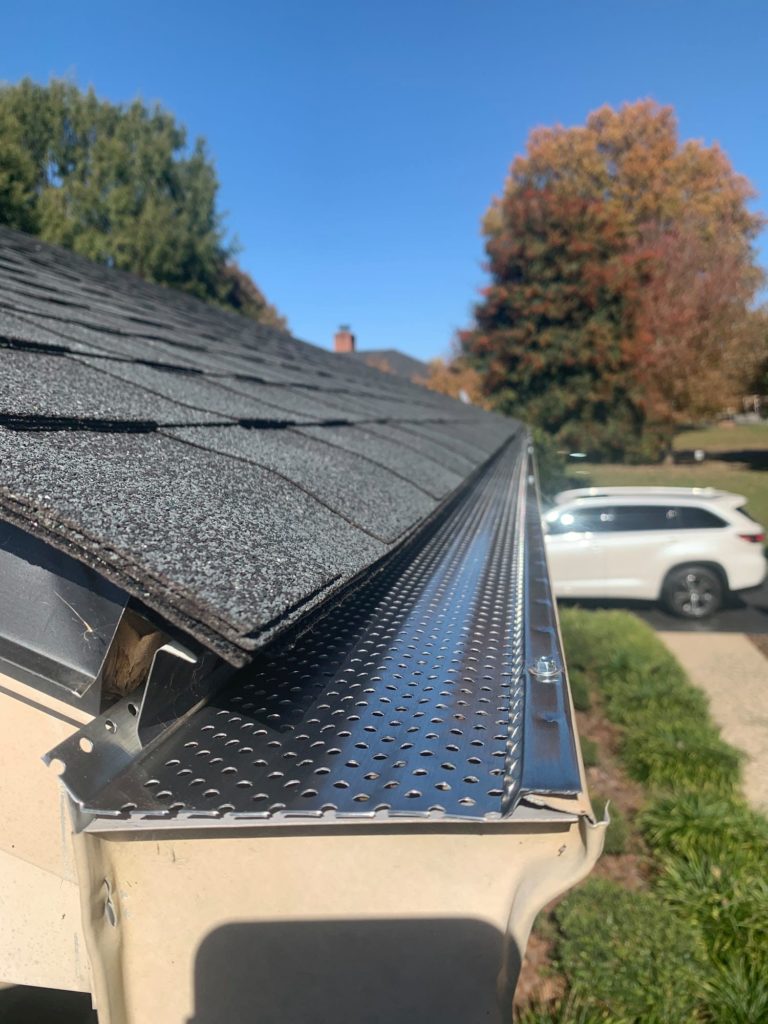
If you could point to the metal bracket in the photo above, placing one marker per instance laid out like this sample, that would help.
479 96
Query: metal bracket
176 684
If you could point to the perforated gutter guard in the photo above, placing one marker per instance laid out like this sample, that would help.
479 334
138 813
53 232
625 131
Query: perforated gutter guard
436 690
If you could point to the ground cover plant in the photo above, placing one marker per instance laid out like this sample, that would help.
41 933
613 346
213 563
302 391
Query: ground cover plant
684 940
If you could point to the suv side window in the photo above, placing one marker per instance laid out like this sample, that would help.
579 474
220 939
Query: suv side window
699 519
582 520
645 517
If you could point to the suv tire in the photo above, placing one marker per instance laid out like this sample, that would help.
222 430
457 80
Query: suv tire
693 592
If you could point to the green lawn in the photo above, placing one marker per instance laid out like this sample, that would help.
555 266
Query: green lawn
753 484
735 438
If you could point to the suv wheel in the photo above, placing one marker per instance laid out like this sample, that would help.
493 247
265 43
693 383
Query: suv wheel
693 592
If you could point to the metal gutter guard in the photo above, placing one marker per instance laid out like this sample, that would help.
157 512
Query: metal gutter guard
435 690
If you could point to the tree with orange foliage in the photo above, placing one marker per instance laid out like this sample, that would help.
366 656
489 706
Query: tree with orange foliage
455 377
699 342
608 251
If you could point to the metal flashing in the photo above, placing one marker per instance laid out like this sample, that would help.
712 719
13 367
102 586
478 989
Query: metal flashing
57 637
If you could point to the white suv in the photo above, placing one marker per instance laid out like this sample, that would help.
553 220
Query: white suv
685 547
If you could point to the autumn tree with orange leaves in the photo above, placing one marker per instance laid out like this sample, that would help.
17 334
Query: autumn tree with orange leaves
622 282
455 376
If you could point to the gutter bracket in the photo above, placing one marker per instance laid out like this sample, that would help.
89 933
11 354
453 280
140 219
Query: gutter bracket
177 683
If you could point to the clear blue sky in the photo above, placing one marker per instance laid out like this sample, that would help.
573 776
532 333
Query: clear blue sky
358 142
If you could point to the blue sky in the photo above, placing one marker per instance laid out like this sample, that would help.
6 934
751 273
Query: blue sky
358 142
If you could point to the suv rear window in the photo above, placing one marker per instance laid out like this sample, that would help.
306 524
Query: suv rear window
699 519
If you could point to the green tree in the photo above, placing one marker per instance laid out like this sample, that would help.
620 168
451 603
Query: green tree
598 230
119 185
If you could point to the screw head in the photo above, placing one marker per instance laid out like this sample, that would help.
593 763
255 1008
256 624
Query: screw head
546 669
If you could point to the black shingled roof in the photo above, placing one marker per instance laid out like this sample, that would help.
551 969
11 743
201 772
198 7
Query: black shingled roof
226 474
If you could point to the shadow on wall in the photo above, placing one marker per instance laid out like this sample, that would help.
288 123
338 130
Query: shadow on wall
349 972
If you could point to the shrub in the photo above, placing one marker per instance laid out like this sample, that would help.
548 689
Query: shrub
615 640
629 955
680 754
736 993
669 741
580 691
567 1011
693 823
727 903
588 752
631 692
617 833
711 883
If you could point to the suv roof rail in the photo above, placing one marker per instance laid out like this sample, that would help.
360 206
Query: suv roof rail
708 493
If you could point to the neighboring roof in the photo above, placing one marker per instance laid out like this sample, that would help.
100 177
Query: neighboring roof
391 361
226 474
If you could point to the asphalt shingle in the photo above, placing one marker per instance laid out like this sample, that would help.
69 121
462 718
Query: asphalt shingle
369 496
419 468
54 387
226 396
419 443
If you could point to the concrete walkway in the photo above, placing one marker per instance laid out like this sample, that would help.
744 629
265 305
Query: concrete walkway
734 675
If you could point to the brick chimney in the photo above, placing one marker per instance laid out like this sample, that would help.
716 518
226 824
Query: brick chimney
344 340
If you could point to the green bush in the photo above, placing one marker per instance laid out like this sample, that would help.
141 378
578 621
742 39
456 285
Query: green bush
580 690
680 754
567 1011
617 833
736 993
711 850
727 903
630 693
694 823
669 741
614 639
589 753
629 955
